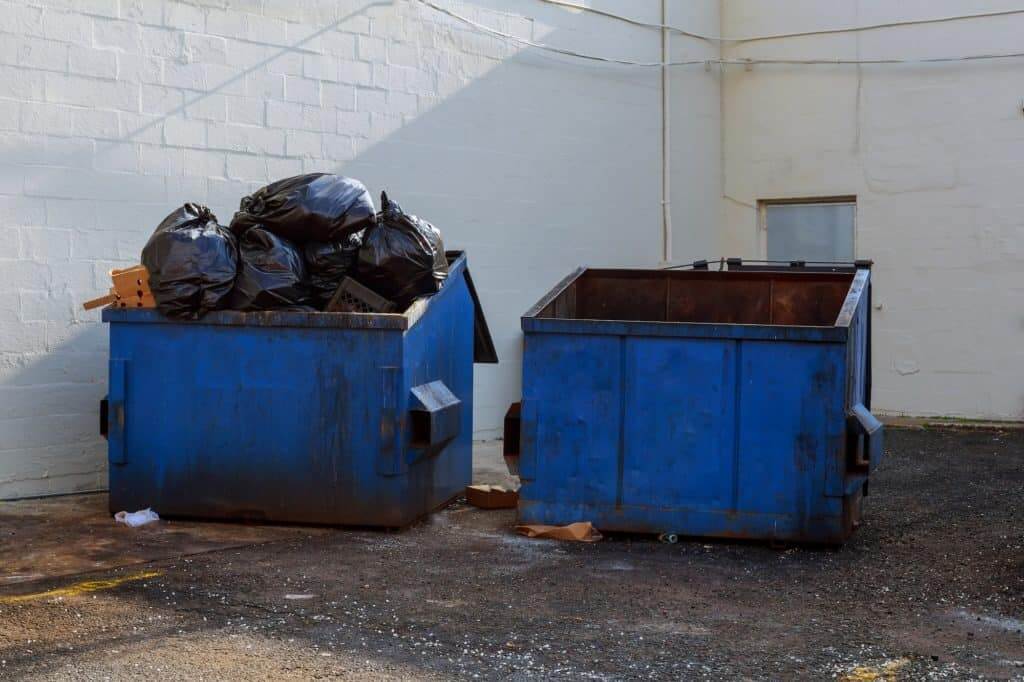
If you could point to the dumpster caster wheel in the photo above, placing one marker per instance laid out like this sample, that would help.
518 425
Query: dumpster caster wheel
668 538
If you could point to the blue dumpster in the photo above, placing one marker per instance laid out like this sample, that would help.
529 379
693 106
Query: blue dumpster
330 418
731 403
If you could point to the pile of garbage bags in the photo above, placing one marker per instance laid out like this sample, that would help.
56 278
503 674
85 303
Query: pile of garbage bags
289 247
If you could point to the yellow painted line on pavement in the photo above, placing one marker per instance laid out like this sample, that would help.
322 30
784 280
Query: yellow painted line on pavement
886 672
77 589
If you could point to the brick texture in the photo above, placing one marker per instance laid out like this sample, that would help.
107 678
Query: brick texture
113 113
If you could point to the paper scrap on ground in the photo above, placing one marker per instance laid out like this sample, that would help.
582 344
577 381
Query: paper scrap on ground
491 497
136 519
583 531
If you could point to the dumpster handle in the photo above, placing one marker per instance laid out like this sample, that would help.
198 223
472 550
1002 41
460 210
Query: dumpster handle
860 422
435 418
116 451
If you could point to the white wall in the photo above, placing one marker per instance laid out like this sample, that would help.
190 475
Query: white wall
113 112
695 134
935 156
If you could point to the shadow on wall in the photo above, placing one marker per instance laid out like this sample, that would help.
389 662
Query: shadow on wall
533 165
51 442
532 172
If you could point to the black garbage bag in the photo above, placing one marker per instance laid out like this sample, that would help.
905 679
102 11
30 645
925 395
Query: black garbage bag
314 207
192 263
402 257
271 274
329 262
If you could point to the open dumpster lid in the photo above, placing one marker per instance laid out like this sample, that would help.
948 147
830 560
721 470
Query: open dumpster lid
483 344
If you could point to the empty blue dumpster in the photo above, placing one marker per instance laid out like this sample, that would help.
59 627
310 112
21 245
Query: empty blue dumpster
331 418
728 403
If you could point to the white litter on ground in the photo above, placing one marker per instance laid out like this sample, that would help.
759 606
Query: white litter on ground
136 519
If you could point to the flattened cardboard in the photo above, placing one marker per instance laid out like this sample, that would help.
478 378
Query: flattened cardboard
582 531
491 497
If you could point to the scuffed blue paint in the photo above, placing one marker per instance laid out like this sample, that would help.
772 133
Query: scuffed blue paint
695 429
294 417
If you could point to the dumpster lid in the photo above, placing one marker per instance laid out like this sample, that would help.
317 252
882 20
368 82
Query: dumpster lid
483 344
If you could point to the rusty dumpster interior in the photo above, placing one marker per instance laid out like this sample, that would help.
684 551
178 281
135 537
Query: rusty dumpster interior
762 298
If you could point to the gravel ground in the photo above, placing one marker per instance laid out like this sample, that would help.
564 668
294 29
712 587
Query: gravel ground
931 586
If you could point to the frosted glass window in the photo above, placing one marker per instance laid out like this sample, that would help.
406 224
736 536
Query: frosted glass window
810 232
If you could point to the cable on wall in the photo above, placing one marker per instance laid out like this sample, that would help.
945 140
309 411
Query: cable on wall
541 46
779 36
714 60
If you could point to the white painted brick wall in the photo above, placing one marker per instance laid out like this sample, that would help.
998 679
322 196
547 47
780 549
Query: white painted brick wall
114 112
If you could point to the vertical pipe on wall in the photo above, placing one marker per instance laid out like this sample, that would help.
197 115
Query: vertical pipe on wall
666 166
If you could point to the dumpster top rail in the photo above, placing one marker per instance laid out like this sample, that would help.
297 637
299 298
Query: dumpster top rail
761 295
734 264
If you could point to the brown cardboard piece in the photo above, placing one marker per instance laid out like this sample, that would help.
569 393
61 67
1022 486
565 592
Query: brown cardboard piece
491 497
583 531
130 290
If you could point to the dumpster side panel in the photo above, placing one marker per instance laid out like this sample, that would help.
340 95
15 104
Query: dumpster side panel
680 421
865 451
698 436
791 432
440 347
858 355
572 410
254 422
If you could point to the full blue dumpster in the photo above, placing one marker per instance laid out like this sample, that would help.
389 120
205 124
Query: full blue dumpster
731 403
330 418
